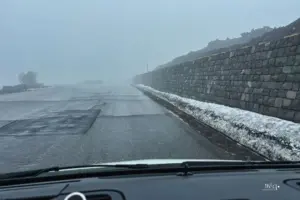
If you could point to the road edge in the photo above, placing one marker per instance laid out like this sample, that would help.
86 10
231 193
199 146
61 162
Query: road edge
213 135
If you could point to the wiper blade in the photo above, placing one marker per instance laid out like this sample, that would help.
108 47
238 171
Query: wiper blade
184 165
204 163
28 173
216 165
36 172
128 166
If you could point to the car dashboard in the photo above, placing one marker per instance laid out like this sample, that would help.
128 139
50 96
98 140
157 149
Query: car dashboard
239 185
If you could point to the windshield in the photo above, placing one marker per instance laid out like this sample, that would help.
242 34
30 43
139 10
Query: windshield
90 82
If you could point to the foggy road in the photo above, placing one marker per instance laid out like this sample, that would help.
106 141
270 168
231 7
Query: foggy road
76 125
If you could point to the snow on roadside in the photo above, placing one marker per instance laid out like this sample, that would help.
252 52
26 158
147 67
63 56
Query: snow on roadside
272 137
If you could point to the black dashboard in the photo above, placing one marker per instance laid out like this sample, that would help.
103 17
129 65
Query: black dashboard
241 185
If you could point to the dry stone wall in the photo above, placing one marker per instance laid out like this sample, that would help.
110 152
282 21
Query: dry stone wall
264 78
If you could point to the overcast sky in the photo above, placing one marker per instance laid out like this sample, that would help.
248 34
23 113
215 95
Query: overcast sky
68 40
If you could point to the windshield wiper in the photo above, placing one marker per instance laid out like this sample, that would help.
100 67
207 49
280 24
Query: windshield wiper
36 172
28 173
128 166
232 165
186 166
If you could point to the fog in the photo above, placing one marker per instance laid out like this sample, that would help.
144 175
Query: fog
67 41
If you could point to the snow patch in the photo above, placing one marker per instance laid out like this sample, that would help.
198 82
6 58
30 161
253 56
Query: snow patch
272 137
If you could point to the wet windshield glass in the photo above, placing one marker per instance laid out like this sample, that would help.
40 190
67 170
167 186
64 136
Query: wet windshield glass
89 82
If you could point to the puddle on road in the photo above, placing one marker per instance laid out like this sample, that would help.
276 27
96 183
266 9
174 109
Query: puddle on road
69 122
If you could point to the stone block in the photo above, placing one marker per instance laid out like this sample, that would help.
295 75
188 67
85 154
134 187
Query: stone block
278 102
287 69
279 43
281 93
296 69
246 97
280 52
256 84
269 53
291 60
286 114
265 100
270 101
274 53
265 63
278 70
297 61
295 105
293 77
286 102
281 61
297 117
296 40
287 86
281 77
291 51
234 103
274 77
291 94
271 61
261 108
265 70
262 77
298 95
255 107
295 86
255 78
259 71
273 111
277 85
298 49
257 90
249 106
243 104
272 45
272 70
272 93
250 90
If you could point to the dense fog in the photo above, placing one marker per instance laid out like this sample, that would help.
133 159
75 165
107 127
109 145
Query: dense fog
111 40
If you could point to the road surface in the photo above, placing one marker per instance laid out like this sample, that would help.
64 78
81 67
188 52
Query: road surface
87 124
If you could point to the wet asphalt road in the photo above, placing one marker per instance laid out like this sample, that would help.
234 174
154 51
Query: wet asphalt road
76 125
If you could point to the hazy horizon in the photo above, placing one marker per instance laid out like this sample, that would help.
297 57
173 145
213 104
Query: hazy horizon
70 41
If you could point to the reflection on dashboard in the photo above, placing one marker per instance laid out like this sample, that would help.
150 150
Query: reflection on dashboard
75 196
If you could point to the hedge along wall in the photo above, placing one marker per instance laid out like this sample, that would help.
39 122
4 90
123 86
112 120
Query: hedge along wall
264 78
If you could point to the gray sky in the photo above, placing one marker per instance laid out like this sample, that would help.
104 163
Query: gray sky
68 40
